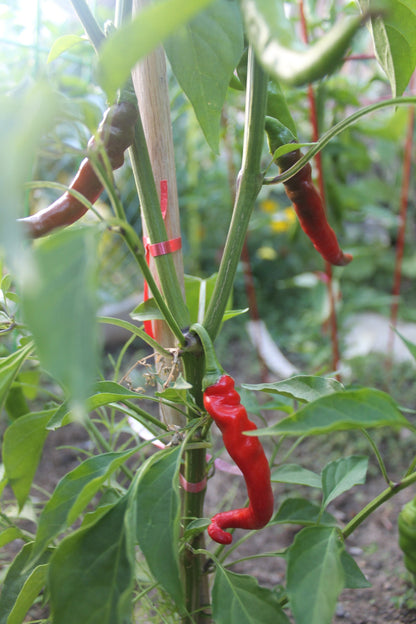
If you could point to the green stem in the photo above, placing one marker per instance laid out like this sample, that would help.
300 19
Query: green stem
149 201
377 502
96 434
90 24
337 129
249 185
379 458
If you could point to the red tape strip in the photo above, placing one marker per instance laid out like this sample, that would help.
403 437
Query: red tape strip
194 488
165 247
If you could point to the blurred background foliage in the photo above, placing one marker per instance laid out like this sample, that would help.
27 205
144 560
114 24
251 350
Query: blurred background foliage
362 169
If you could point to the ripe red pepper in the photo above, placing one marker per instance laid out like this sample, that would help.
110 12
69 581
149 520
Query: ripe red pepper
223 404
306 200
116 131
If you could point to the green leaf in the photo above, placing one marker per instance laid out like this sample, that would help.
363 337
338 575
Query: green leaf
301 387
73 493
59 307
91 573
139 37
21 586
9 368
64 43
293 473
153 514
354 578
302 511
198 293
315 575
8 535
22 449
147 311
341 475
394 36
266 31
239 599
28 594
410 345
352 409
203 55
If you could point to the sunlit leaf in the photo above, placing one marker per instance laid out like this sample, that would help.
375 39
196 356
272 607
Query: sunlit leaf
140 36
64 43
394 36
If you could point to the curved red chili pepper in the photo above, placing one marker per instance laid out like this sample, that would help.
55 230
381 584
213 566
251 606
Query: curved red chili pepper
117 133
309 208
223 404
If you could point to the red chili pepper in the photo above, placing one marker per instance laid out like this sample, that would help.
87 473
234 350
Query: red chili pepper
306 200
116 132
223 404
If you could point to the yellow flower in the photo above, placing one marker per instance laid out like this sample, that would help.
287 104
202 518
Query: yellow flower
266 253
269 205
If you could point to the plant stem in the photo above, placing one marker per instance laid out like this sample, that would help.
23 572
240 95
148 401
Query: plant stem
337 129
377 502
248 186
404 201
150 206
90 24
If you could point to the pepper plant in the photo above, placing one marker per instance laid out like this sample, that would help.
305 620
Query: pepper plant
126 527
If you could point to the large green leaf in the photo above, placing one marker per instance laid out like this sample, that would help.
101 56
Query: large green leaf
135 40
239 599
91 573
22 448
9 368
21 586
153 515
352 409
293 473
394 36
203 55
302 511
73 493
341 475
301 387
59 307
315 575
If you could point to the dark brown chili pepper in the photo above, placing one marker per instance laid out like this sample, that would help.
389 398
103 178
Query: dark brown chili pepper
116 131
305 199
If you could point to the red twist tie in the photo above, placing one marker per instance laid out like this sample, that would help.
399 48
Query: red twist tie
193 488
